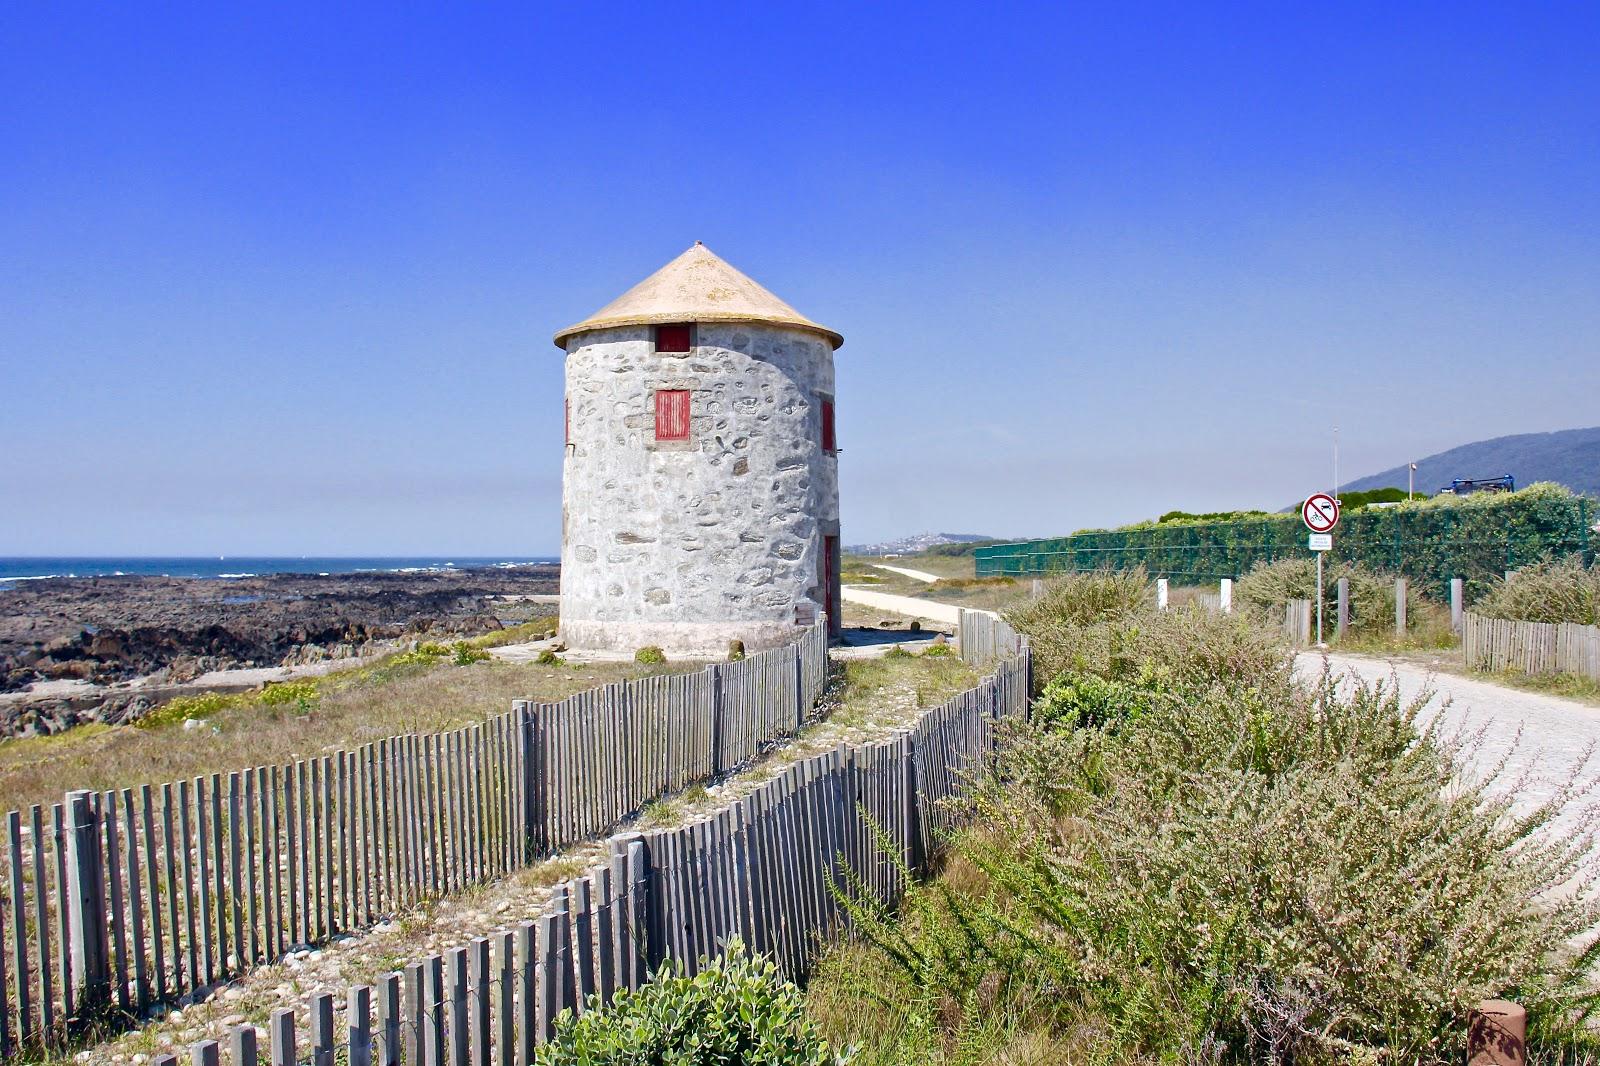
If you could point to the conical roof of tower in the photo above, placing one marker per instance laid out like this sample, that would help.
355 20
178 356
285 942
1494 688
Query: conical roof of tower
698 286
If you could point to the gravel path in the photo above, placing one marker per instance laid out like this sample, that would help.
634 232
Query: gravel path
943 613
1543 739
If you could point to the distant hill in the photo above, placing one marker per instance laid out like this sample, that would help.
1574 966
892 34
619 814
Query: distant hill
1570 457
917 542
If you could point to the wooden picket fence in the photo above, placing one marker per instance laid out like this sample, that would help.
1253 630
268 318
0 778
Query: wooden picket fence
1297 622
113 903
760 869
1531 647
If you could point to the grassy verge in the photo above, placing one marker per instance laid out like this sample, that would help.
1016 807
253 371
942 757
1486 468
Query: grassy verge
1583 689
213 732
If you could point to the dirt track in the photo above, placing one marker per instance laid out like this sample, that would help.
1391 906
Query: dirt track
1545 739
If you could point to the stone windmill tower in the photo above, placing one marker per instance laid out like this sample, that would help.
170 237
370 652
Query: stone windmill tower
700 485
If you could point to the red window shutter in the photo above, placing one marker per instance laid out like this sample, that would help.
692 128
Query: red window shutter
673 339
829 440
672 414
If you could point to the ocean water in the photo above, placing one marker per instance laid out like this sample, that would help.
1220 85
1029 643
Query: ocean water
14 569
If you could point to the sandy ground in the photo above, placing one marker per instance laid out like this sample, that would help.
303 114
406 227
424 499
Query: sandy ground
905 571
943 613
1545 741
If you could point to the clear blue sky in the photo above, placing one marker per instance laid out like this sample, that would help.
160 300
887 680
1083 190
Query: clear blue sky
284 283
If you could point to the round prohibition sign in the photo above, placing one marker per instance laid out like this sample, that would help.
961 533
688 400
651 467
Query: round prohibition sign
1320 512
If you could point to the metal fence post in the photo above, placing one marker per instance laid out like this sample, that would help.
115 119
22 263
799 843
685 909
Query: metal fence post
1400 607
86 904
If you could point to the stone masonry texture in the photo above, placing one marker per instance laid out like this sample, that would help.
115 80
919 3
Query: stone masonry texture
687 545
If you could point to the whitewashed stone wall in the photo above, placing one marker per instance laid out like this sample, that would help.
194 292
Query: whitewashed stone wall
688 545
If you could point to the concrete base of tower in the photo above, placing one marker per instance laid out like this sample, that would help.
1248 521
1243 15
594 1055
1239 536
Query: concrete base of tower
694 640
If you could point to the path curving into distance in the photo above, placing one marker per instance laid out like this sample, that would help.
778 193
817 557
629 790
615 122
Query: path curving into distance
906 571
1543 739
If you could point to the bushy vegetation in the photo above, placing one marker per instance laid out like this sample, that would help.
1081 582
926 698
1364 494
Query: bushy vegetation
1548 591
1269 586
1266 589
1427 540
737 1011
1185 516
1190 855
1105 623
650 655
1354 501
187 708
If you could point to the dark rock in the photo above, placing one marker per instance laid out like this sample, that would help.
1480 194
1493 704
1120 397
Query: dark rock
119 628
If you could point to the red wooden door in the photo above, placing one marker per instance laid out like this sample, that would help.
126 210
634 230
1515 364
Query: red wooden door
832 601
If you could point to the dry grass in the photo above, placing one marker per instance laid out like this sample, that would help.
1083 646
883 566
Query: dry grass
350 708
957 583
864 699
945 566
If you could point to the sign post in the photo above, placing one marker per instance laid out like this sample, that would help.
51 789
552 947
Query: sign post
1320 513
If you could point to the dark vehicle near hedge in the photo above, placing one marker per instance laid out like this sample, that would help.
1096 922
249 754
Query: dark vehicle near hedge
1467 486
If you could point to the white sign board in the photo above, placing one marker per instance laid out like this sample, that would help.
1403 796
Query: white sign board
1320 512
1320 542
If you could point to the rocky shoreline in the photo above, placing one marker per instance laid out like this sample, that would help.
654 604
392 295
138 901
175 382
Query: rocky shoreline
105 648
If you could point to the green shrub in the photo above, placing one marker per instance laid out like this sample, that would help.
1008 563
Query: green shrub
650 655
1213 516
183 708
425 654
898 651
300 693
464 654
938 651
1081 699
737 1011
1548 591
1269 586
550 658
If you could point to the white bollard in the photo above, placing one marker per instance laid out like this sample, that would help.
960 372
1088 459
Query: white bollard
1225 595
1161 594
1457 603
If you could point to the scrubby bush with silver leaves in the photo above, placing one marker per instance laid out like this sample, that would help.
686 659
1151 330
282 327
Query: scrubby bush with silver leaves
1559 590
1186 860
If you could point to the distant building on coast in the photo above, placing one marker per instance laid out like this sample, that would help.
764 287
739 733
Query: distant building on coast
700 490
